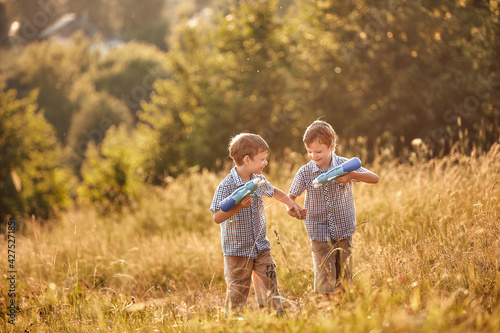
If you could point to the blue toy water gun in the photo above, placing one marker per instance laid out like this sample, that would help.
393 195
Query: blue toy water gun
340 170
241 193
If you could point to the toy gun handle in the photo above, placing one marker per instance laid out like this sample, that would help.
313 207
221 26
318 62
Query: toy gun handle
241 193
227 204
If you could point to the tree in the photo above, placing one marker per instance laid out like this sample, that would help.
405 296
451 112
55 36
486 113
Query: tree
52 68
128 73
393 70
253 42
96 111
33 177
224 81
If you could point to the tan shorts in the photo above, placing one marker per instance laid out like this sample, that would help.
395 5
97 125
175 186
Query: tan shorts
239 273
332 265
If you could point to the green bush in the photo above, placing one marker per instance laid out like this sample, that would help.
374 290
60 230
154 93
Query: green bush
113 172
96 112
33 178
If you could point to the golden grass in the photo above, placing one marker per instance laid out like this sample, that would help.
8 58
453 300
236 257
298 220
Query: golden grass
426 259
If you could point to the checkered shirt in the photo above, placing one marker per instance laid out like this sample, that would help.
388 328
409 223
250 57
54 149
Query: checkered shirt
331 215
244 234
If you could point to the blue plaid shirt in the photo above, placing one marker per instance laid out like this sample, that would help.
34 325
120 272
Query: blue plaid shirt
244 234
331 215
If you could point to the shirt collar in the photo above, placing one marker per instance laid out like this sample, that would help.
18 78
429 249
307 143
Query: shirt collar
333 163
237 179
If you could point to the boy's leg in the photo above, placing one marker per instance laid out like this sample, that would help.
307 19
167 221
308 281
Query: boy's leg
332 265
265 282
324 259
238 275
343 263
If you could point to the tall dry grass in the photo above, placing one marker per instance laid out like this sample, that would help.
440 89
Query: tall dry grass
426 258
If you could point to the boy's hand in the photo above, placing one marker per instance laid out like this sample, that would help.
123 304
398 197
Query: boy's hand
296 211
220 215
247 202
345 178
292 212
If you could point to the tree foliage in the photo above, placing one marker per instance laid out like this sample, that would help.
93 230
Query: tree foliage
402 69
383 73
113 172
231 79
84 92
52 68
386 71
33 179
96 112
128 73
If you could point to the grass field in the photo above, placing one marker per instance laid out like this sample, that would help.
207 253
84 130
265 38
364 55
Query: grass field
426 259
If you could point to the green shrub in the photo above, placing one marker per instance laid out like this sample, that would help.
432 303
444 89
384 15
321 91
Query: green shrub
113 173
33 178
96 112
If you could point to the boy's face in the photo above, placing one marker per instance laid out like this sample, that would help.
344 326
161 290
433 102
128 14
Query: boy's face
320 153
258 163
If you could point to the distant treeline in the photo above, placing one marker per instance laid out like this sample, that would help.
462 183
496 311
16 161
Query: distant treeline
383 73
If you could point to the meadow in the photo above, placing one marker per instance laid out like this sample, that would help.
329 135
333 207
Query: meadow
426 258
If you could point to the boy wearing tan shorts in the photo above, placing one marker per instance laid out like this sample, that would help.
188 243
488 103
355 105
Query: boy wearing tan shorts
331 218
244 239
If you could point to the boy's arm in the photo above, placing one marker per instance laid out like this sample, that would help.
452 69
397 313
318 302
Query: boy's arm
303 211
293 208
366 177
220 215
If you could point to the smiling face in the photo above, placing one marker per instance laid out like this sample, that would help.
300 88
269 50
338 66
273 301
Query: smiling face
258 163
320 153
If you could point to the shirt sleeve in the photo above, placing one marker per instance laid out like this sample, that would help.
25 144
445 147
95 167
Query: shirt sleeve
268 189
299 183
221 193
361 169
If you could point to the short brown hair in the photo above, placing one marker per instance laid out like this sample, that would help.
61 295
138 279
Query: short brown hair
246 144
321 131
